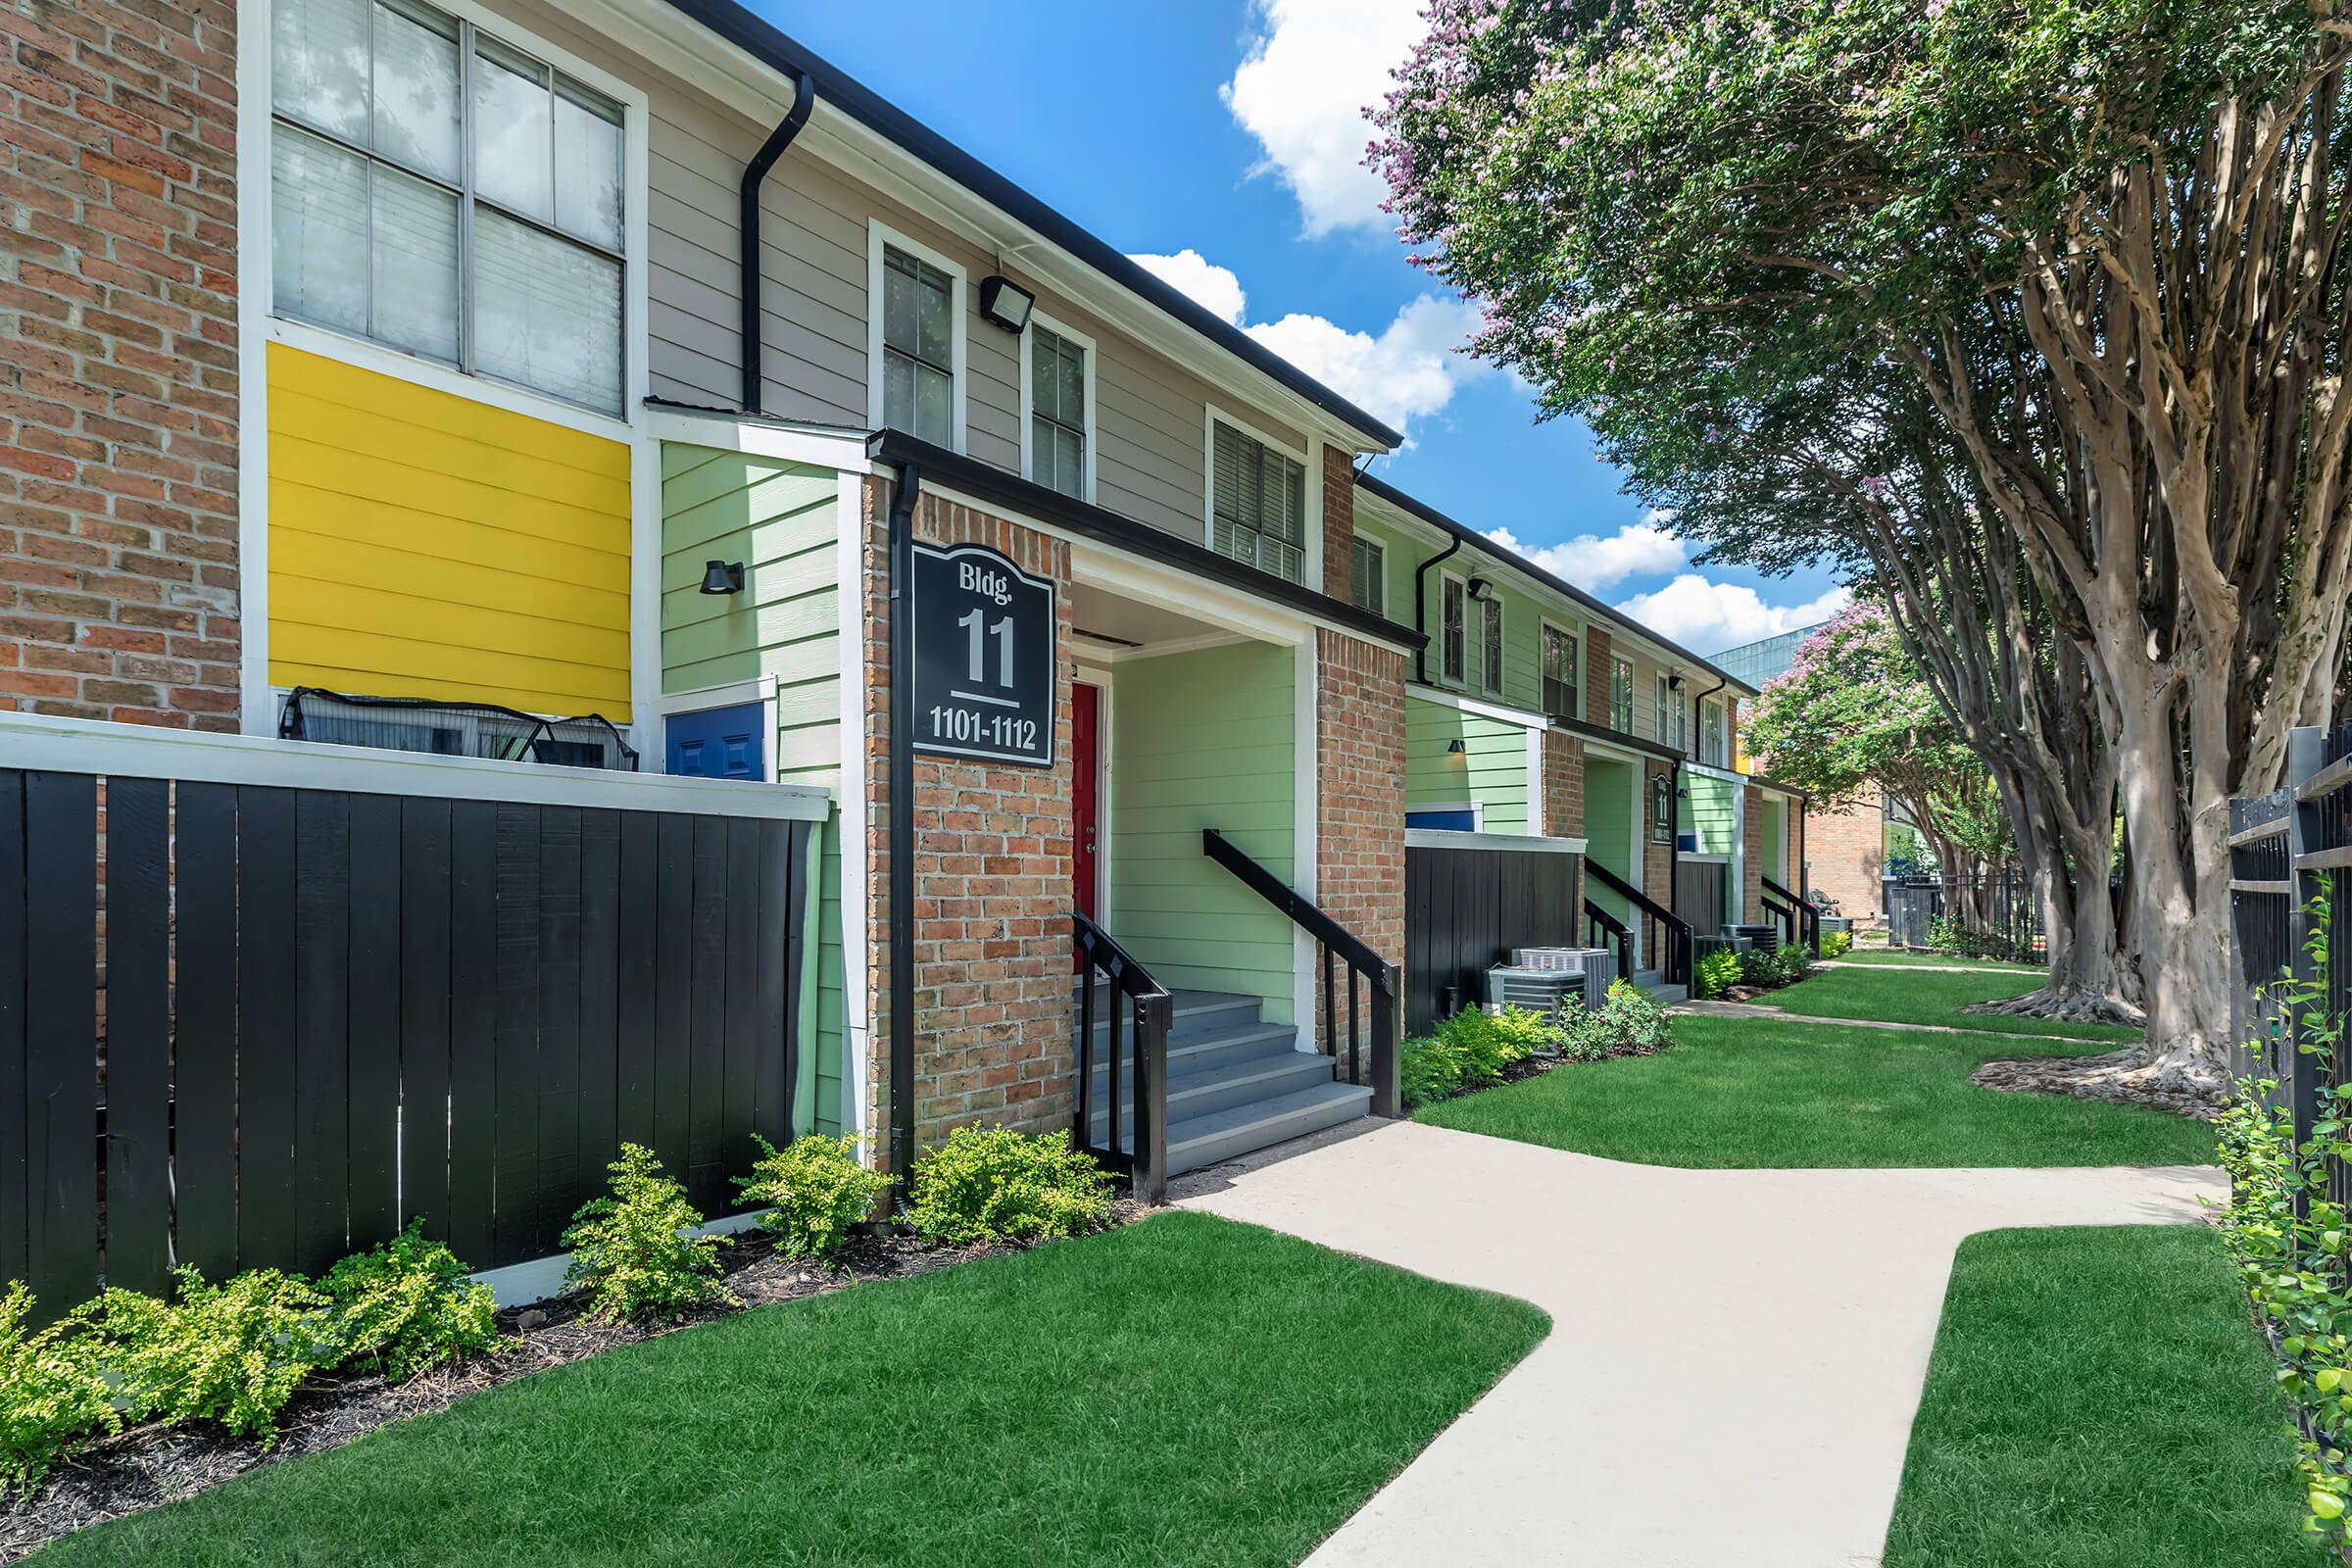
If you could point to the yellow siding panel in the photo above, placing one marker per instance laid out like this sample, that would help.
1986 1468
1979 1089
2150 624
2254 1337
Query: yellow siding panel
423 544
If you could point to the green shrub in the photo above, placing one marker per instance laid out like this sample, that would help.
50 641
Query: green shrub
1717 971
993 1184
1836 944
1428 1069
1629 1022
1759 967
407 1305
631 1250
1793 962
232 1353
814 1190
1522 1033
53 1394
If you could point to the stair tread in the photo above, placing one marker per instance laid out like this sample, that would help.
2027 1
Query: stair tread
1232 1118
1270 1038
1292 1064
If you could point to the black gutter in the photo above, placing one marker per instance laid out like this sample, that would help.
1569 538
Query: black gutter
1028 499
1519 562
804 99
774 48
902 824
1421 607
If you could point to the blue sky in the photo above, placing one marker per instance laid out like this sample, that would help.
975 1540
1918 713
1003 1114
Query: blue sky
1227 128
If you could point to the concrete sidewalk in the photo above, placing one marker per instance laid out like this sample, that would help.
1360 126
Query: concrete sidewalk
1735 1356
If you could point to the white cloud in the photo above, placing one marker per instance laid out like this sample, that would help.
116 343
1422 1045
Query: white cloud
1311 71
1206 285
1411 369
1710 617
1589 560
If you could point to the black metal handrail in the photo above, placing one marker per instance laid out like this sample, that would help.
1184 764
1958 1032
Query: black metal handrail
1674 965
1378 976
1602 928
1799 917
1149 1009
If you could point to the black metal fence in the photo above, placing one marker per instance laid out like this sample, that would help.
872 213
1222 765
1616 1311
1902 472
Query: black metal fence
1466 909
2000 909
2290 870
250 1025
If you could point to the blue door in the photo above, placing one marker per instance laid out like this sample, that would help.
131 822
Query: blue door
719 742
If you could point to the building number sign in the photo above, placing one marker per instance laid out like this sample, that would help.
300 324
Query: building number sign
983 657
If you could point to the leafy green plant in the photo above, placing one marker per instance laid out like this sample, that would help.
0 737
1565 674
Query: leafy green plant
1629 1022
232 1353
1428 1069
407 1305
632 1253
1792 962
993 1184
1717 971
814 1191
1759 967
53 1394
1836 944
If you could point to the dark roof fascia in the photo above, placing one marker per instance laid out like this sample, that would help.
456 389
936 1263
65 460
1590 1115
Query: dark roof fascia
769 422
1778 787
1028 499
1519 562
838 90
1617 737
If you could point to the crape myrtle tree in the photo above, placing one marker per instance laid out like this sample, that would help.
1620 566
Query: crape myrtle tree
2101 242
1851 716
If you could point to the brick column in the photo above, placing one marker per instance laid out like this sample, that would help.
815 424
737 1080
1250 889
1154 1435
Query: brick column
119 386
992 881
1564 801
1339 525
1359 781
1752 863
1596 678
1657 860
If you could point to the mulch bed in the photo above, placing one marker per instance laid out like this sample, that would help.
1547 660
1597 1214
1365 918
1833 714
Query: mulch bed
148 1466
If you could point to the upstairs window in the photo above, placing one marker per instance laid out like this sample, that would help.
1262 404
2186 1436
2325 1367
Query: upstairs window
1672 730
1057 421
1710 734
441 192
1368 576
1563 674
1257 505
1621 695
1453 655
1490 650
918 347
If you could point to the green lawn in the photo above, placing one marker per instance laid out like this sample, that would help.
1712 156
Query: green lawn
2098 1400
1881 959
1761 1094
1926 997
1184 1391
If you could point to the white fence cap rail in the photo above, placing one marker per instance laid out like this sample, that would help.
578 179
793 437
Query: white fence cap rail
41 744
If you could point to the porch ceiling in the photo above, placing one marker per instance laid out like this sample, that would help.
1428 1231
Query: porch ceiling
1107 620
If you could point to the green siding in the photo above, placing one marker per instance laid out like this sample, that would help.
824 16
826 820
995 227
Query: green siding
1489 770
780 520
1522 618
1712 812
1608 828
1773 852
1205 739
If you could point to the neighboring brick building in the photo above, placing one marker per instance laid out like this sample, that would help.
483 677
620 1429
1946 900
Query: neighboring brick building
119 376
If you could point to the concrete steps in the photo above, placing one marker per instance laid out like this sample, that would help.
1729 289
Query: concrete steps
1236 1083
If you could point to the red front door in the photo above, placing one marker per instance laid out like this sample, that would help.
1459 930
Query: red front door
1086 815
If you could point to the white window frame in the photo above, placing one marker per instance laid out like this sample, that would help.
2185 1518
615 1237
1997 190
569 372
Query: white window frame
1310 568
1716 755
1458 679
258 288
1490 681
1574 635
878 237
1380 570
1028 379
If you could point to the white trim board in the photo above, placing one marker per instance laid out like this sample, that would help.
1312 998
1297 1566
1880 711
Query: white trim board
1445 838
1480 705
819 448
98 746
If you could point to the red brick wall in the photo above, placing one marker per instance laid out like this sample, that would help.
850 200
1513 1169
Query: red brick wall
1564 785
1751 868
992 881
1847 851
1359 774
1596 677
1339 525
119 378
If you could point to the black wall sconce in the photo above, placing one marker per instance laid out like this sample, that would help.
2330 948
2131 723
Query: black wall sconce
722 578
1006 303
1480 590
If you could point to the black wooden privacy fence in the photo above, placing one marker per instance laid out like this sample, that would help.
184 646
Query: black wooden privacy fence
245 1021
1465 909
2290 868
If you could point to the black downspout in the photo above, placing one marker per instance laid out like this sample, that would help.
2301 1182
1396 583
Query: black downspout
804 99
901 822
1421 609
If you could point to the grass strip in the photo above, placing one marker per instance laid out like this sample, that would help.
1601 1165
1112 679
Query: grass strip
1928 996
2099 1399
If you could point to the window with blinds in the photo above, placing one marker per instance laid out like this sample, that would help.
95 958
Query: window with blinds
442 193
1257 505
1563 671
1368 576
1056 411
1490 660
